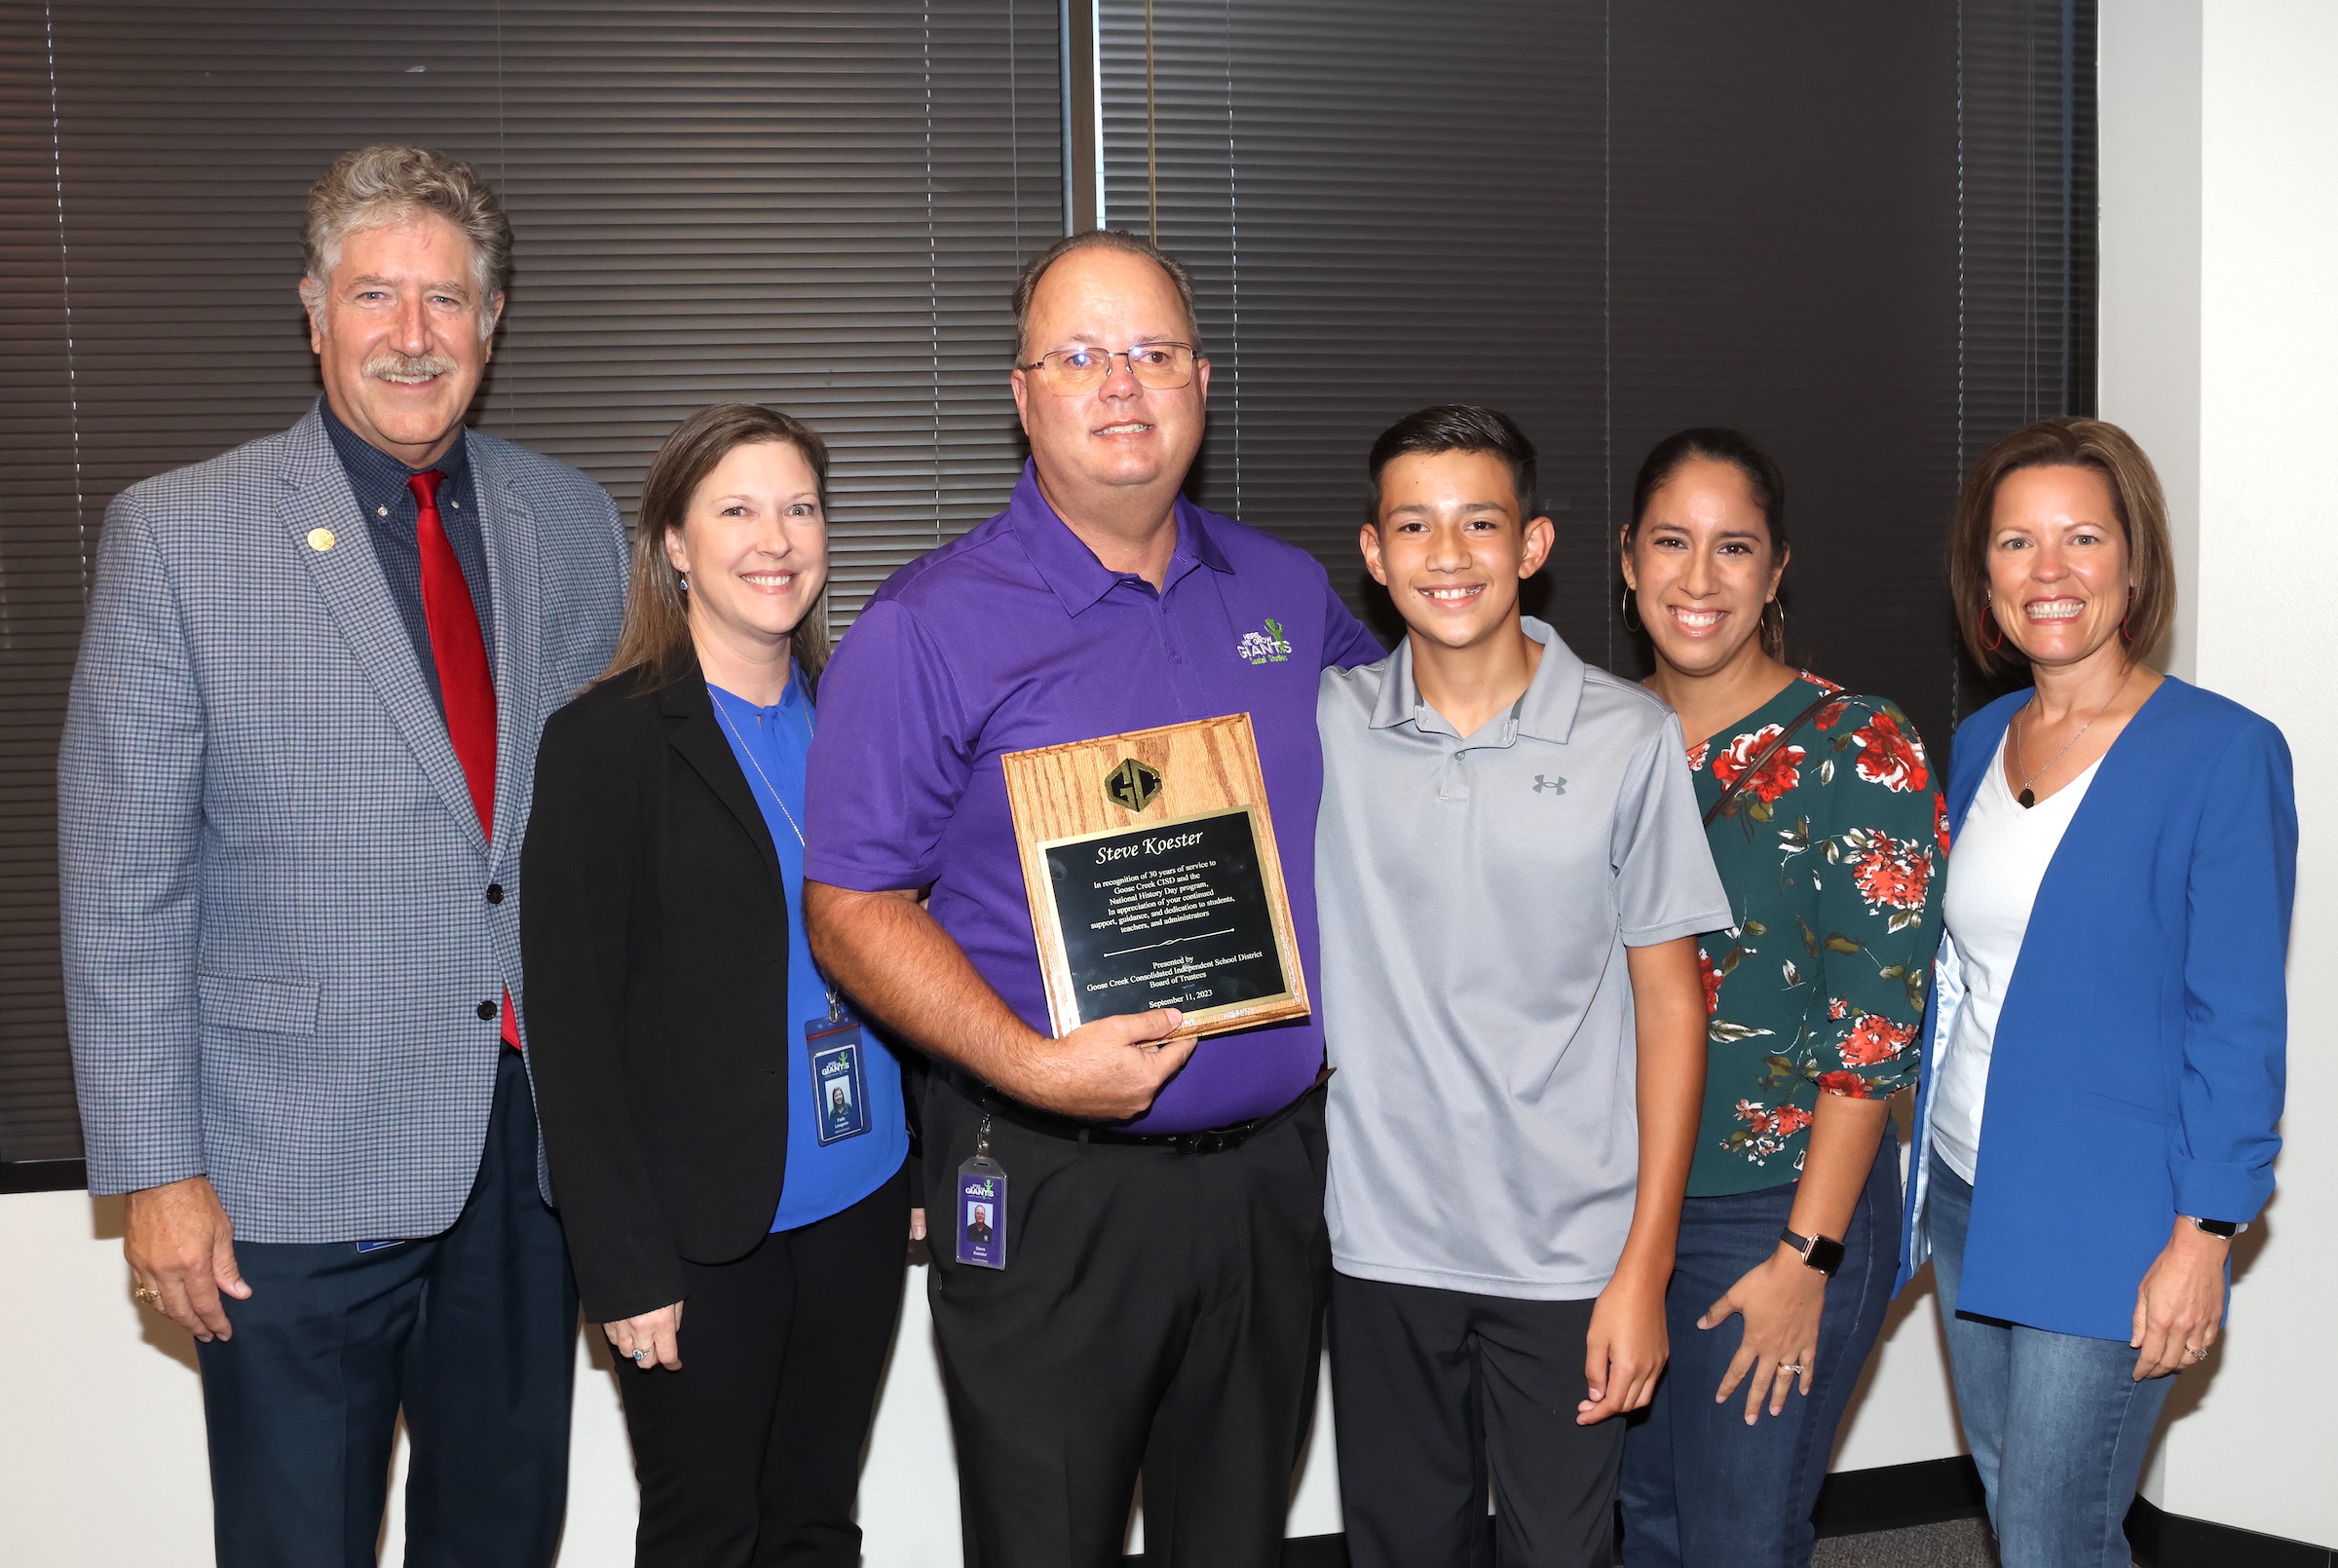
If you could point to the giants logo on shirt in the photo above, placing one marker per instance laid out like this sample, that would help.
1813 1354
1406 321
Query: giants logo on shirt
1266 647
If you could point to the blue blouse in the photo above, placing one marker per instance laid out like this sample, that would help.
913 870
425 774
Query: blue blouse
771 745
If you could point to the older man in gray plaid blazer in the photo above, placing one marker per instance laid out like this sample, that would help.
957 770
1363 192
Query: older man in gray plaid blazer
295 781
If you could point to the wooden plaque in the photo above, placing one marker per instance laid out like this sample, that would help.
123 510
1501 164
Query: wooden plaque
1154 879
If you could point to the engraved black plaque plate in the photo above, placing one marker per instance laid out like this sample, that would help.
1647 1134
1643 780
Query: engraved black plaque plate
1168 914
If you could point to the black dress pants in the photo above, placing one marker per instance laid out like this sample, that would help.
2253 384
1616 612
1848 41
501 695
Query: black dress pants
472 1333
1159 1312
749 1455
1432 1390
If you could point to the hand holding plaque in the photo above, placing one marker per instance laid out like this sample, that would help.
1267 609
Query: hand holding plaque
1154 879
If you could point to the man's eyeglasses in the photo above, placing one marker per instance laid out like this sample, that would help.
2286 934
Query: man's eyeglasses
1162 366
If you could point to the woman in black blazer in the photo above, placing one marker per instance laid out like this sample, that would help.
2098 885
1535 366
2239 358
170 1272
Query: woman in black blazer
725 1145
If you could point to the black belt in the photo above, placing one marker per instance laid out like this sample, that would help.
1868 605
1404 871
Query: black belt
1209 1140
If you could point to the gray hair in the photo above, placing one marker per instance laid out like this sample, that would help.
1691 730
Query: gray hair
380 185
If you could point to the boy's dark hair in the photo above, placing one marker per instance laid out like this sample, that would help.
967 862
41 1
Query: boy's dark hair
1458 428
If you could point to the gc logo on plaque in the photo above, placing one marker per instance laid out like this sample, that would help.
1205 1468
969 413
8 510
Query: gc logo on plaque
1151 864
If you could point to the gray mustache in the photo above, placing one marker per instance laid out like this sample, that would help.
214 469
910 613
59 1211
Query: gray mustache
394 366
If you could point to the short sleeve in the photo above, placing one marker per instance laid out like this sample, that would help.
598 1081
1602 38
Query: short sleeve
1347 641
1666 886
891 757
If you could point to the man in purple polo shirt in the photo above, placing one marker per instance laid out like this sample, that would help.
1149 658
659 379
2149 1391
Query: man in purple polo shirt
1161 1233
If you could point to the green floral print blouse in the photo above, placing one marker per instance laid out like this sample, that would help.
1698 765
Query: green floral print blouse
1829 855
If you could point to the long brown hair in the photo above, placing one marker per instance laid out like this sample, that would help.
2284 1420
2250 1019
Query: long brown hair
655 639
2136 503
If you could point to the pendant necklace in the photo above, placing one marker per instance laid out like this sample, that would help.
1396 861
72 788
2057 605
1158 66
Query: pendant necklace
2024 797
750 753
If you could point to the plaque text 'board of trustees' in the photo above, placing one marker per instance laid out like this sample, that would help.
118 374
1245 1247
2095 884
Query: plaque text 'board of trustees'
1154 880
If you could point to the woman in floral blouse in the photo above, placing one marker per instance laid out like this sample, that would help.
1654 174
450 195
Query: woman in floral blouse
1829 846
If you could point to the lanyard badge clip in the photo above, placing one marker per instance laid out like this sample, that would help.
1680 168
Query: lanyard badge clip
982 1206
840 1081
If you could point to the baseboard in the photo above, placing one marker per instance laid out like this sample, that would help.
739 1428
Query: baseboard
1932 1491
1895 1497
2163 1540
43 1176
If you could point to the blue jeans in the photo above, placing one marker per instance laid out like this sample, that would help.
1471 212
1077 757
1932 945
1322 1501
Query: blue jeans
1701 1488
2058 1425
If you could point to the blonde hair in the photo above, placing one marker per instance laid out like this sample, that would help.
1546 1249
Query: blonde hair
377 186
655 639
2136 503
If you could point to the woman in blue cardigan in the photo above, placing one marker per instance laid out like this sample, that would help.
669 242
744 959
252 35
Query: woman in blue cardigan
2105 1060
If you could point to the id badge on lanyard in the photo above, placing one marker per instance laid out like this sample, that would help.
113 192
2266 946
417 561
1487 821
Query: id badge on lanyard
840 1084
982 1206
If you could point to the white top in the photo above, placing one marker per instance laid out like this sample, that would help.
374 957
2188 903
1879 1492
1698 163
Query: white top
1999 859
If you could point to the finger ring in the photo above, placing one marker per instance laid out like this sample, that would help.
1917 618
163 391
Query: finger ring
146 1295
2192 1355
640 1356
1783 1367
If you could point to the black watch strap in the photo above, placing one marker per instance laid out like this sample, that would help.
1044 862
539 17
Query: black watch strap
1821 1253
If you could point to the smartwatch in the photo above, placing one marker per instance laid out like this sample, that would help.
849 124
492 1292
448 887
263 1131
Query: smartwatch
1821 1253
2226 1228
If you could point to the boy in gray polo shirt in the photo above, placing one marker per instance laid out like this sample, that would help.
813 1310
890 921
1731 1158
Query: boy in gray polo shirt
1512 876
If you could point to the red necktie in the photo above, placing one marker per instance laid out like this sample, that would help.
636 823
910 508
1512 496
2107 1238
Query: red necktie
461 654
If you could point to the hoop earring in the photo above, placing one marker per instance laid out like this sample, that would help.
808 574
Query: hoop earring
2126 636
1624 607
1983 627
1773 630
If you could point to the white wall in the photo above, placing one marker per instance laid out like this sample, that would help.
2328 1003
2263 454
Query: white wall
2220 250
2148 370
102 1422
101 1460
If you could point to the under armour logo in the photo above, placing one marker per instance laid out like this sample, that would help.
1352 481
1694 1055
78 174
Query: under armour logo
1556 786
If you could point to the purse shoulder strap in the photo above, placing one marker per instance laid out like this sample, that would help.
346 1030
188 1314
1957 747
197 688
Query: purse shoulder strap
1728 795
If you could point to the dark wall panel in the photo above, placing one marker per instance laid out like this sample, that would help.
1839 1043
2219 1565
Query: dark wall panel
1863 233
1375 220
817 208
1859 232
1784 261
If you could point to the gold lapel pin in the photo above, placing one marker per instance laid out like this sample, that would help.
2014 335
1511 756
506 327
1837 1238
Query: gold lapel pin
321 539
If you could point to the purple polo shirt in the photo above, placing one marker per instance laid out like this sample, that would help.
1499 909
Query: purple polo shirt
1016 636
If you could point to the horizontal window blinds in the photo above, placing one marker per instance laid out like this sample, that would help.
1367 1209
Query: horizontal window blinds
1379 214
2026 164
822 208
1861 234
